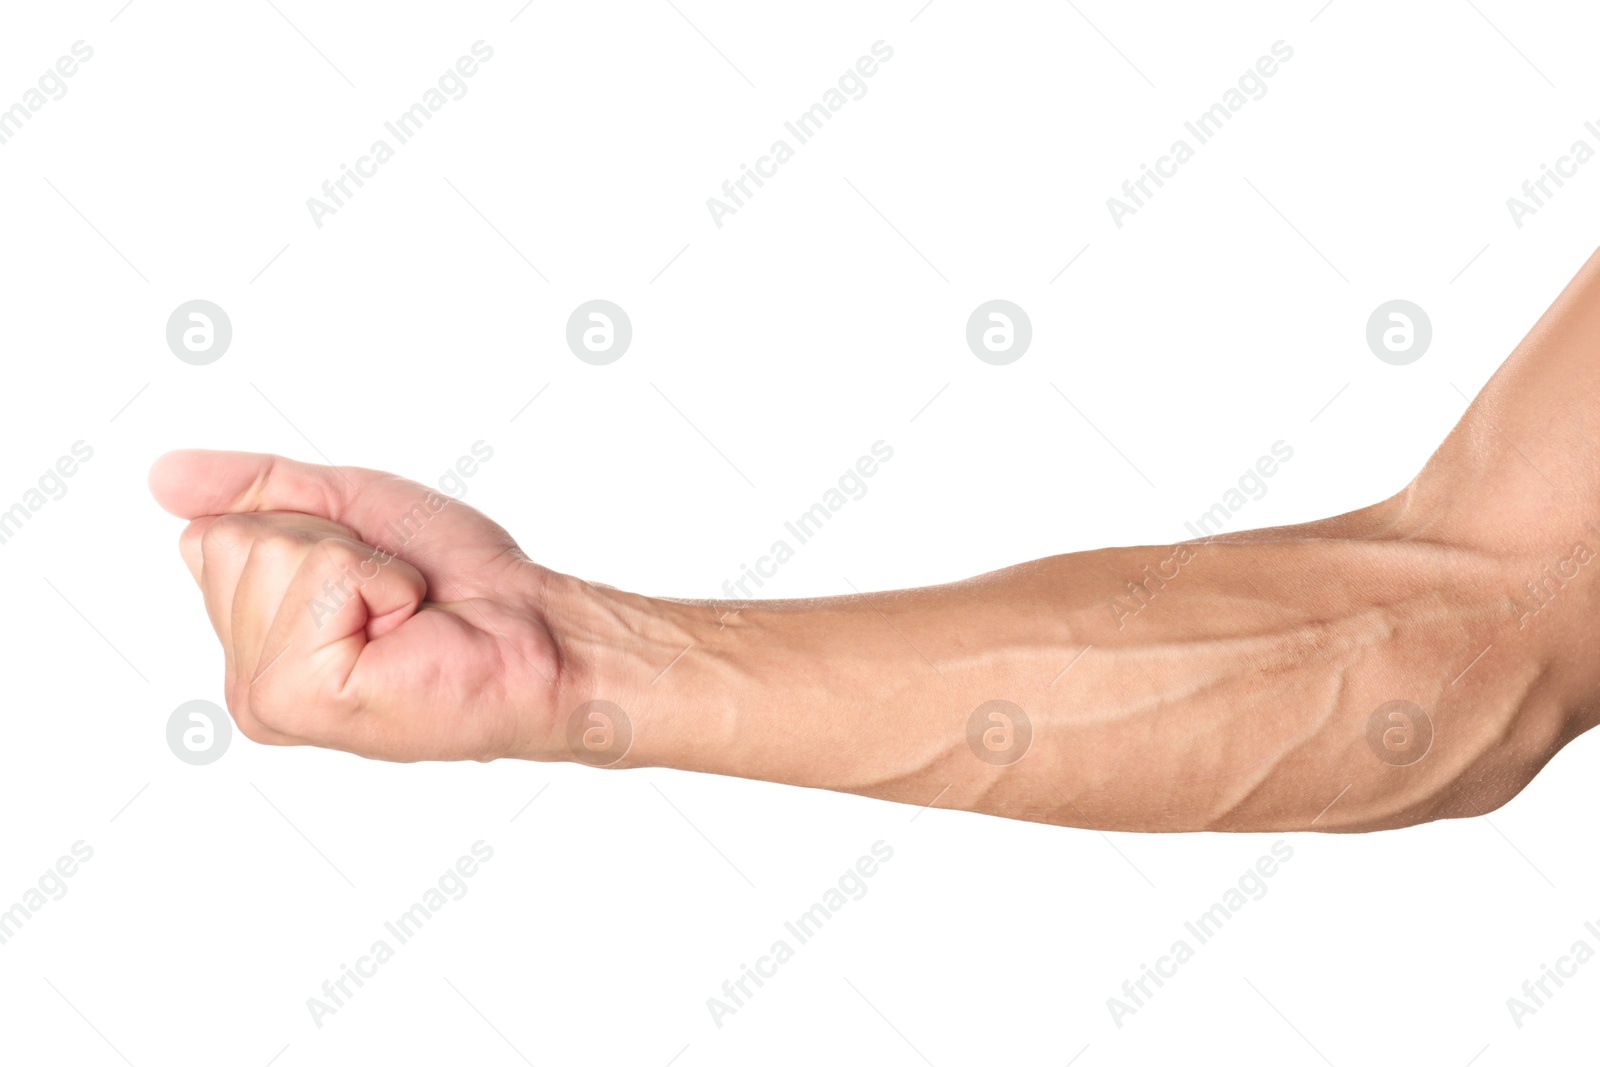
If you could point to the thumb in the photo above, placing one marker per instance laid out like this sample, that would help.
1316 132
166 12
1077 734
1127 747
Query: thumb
451 544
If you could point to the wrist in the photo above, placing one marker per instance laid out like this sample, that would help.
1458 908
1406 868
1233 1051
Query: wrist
764 690
612 704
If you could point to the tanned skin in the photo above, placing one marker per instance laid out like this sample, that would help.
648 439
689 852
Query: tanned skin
1242 697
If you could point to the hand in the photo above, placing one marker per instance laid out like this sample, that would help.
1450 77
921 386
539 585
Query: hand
364 612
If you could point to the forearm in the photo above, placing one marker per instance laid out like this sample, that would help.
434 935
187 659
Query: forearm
1239 690
1231 690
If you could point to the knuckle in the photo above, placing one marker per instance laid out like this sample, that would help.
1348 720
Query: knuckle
227 535
279 547
192 535
340 554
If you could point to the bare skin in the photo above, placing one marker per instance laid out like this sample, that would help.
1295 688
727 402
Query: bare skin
1241 696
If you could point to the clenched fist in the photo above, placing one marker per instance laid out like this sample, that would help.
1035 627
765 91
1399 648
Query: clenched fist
364 612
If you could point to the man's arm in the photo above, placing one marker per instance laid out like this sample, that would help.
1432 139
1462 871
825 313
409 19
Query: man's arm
1239 697
1419 659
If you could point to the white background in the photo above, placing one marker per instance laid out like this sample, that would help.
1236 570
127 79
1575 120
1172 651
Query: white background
823 316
